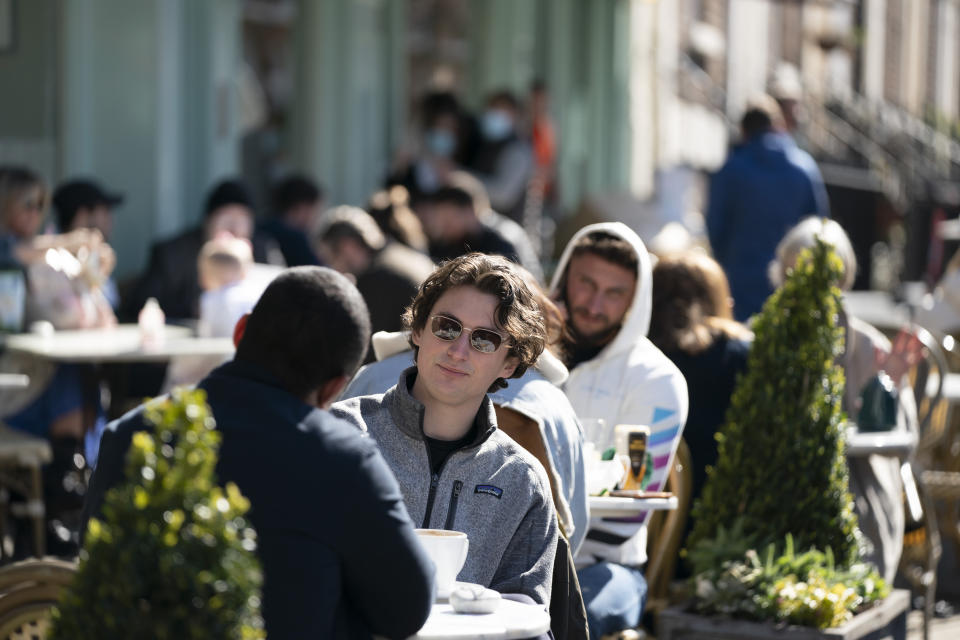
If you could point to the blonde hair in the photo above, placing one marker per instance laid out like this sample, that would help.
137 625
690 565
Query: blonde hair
224 260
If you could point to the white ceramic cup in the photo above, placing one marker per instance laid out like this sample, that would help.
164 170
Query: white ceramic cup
448 550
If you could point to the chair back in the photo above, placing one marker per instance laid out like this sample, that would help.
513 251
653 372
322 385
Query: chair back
568 615
665 530
928 380
28 592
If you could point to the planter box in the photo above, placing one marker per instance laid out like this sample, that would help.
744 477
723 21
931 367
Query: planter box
885 620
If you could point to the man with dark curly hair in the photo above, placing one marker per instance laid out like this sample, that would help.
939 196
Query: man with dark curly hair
473 324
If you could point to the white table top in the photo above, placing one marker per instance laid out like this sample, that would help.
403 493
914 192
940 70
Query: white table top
897 444
118 344
610 507
877 308
510 620
951 387
14 381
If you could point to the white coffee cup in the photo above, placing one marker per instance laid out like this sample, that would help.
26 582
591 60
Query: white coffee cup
448 550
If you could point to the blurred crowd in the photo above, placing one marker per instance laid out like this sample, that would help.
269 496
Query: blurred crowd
627 336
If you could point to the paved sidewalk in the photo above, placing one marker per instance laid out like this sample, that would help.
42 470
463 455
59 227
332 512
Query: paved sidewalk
940 629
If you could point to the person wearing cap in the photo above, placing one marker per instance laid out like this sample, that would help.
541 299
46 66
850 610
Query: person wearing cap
85 204
171 275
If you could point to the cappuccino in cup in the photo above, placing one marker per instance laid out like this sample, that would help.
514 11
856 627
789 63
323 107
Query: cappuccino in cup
448 550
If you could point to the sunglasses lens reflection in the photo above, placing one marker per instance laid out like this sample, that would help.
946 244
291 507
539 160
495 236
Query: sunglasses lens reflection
484 341
448 329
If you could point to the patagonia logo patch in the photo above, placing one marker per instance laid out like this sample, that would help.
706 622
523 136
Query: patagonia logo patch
489 489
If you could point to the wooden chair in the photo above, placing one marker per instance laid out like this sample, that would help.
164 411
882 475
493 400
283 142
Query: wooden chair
28 592
922 546
526 432
665 533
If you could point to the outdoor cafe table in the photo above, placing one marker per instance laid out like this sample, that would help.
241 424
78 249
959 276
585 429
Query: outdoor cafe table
896 444
877 308
614 507
119 344
510 620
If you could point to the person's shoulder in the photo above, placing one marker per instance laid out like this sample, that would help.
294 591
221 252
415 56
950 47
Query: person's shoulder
517 462
646 356
187 238
359 410
329 437
133 420
736 348
802 160
649 370
533 390
183 247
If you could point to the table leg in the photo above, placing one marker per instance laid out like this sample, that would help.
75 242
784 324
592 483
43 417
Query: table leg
37 511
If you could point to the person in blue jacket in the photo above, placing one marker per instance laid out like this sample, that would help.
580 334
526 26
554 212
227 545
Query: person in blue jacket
767 185
340 557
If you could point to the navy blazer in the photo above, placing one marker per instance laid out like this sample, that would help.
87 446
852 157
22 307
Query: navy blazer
339 554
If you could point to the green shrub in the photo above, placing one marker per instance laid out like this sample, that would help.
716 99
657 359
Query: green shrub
780 467
172 556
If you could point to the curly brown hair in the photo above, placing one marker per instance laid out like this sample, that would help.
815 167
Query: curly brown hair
518 312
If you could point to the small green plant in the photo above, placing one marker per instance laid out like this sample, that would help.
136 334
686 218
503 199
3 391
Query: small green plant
173 557
780 468
784 586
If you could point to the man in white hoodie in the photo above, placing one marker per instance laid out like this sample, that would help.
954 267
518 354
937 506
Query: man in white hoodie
603 281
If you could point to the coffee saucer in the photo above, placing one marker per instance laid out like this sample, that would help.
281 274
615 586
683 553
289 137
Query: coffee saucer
444 596
474 599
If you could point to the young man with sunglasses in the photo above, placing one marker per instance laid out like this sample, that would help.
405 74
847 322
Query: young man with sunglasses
473 324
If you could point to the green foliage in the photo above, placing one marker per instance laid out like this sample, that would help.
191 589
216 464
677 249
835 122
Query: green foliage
780 585
173 556
780 467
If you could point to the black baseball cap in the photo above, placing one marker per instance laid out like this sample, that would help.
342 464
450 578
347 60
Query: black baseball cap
78 194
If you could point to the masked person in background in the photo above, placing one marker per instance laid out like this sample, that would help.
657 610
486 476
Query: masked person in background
425 170
503 161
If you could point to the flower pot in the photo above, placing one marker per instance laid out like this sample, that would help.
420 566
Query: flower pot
887 619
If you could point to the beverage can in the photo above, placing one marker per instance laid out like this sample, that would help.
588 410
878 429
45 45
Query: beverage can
632 440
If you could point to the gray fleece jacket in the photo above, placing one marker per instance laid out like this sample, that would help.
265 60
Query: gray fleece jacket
492 490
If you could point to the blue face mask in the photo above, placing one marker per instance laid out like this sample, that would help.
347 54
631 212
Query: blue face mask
440 143
496 125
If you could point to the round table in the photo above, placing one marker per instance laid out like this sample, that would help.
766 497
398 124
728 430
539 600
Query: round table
897 444
614 507
510 620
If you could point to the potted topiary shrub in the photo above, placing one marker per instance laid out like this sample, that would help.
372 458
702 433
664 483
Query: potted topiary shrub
775 536
172 556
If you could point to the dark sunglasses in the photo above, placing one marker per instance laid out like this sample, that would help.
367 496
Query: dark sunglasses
449 329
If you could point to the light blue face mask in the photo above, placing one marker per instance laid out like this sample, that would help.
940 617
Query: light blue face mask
440 143
496 125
